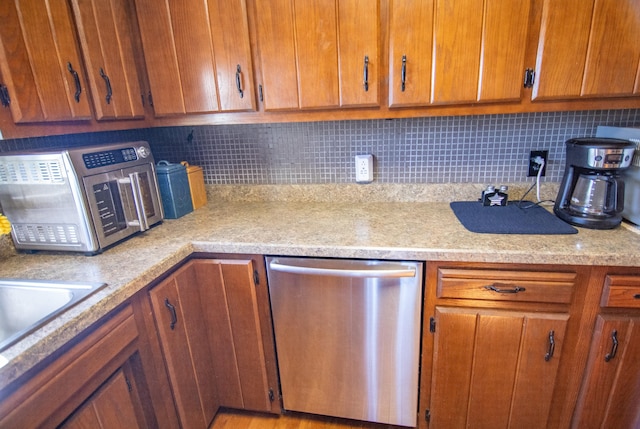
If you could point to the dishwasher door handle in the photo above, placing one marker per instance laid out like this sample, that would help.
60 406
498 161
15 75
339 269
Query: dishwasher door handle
388 272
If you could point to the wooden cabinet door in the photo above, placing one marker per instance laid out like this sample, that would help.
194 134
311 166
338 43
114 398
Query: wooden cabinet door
588 49
197 55
40 62
244 347
410 52
107 40
312 53
212 333
610 392
276 34
359 65
454 52
112 406
494 368
479 48
181 308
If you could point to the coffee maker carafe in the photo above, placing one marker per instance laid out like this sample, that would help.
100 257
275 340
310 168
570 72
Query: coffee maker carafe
592 191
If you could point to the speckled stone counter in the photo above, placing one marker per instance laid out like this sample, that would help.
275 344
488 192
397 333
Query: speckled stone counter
374 229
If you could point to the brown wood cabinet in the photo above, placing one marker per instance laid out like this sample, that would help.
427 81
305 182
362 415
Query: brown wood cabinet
198 55
218 351
100 377
43 76
499 341
318 54
108 37
456 52
610 392
110 407
588 49
258 61
499 368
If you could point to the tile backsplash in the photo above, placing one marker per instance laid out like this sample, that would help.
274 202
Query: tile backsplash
461 149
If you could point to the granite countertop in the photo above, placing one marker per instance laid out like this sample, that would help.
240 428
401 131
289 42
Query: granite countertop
307 227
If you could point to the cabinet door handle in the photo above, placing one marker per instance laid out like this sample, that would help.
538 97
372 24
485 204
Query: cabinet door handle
552 346
107 83
172 311
636 296
238 82
504 288
76 80
614 346
366 73
403 74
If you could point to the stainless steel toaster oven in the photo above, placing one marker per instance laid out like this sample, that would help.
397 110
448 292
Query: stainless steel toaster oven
82 199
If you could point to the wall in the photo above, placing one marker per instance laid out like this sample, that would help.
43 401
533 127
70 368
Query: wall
473 149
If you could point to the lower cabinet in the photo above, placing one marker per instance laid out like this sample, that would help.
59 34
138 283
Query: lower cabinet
96 383
494 368
512 346
110 407
498 344
212 318
610 395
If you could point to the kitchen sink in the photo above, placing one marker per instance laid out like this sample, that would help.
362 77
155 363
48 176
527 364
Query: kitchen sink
26 305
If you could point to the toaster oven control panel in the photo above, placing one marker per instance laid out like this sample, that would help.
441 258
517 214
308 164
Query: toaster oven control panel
109 157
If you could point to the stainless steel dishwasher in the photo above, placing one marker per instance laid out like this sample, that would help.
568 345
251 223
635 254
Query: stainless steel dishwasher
347 336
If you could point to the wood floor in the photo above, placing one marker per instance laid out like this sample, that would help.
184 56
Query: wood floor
233 419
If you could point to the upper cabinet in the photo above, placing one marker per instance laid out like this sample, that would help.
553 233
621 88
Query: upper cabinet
108 41
84 65
42 71
198 55
318 54
456 52
587 49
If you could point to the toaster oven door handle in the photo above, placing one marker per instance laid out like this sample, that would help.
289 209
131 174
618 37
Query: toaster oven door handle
139 201
133 181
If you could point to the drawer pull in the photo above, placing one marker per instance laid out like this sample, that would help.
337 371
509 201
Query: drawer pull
172 311
636 296
614 346
504 288
552 346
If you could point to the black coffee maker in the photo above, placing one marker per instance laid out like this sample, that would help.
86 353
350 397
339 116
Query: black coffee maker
592 192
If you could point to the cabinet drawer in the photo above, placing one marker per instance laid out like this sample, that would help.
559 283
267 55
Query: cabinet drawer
506 285
621 291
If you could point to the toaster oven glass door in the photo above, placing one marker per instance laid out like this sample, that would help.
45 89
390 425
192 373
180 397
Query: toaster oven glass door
122 202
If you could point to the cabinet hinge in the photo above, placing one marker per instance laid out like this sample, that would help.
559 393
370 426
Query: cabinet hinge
256 277
432 325
126 379
5 99
529 78
272 396
427 415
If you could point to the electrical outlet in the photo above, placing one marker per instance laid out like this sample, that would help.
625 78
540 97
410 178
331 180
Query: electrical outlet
534 166
364 168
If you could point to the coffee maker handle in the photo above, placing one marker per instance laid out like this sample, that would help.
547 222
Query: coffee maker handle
617 195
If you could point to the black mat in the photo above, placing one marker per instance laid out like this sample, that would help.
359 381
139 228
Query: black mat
509 219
